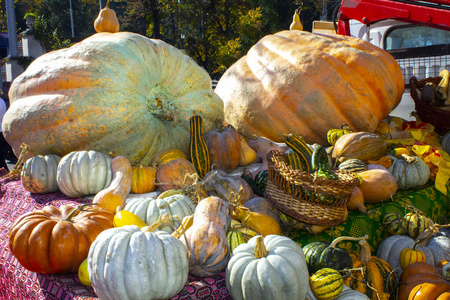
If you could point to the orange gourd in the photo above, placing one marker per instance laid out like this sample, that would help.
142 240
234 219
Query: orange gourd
224 147
118 190
356 201
377 185
107 20
177 173
56 240
206 239
143 179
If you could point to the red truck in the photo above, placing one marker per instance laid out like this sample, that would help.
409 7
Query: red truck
416 33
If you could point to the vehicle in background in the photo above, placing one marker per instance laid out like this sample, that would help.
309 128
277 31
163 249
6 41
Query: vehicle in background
416 33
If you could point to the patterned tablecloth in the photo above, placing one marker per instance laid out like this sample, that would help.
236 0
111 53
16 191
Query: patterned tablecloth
18 283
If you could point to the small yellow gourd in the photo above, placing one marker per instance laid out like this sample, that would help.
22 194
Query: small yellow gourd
442 87
248 155
107 20
261 223
296 23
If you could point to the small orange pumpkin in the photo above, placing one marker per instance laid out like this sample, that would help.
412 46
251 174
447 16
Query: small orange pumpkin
143 180
175 174
107 20
56 241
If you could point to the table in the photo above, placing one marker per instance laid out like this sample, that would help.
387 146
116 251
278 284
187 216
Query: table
18 283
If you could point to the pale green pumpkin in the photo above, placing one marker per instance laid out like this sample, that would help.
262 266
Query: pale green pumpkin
122 93
409 171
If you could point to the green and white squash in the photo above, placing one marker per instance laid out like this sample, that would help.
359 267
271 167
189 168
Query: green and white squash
409 171
82 173
268 268
148 209
129 263
326 284
353 165
39 174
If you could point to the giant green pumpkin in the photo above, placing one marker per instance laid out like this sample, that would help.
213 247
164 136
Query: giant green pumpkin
296 81
119 92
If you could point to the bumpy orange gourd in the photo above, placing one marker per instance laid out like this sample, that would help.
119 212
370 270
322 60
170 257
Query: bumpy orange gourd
107 20
56 240
290 80
115 195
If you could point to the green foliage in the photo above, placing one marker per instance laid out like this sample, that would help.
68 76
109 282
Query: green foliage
47 36
216 33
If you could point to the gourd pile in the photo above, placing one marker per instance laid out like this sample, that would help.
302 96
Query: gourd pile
176 190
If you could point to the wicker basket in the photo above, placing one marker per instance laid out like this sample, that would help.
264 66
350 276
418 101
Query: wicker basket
317 201
439 117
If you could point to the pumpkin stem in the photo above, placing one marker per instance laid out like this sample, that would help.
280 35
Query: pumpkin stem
346 238
365 254
161 220
75 211
424 237
260 248
107 3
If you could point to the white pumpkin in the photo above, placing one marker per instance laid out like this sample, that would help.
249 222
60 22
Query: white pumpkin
149 209
83 173
435 249
126 263
273 267
39 174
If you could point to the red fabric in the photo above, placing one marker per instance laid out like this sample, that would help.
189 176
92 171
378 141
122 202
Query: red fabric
18 283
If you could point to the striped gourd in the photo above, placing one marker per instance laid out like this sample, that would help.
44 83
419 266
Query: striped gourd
326 284
198 151
294 160
393 224
299 145
319 163
234 238
408 256
370 275
261 179
334 134
415 223
353 165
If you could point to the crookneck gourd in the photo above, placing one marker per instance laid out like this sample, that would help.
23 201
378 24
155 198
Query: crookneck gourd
119 92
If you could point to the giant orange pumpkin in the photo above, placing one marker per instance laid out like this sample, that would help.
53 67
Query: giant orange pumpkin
119 92
296 81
